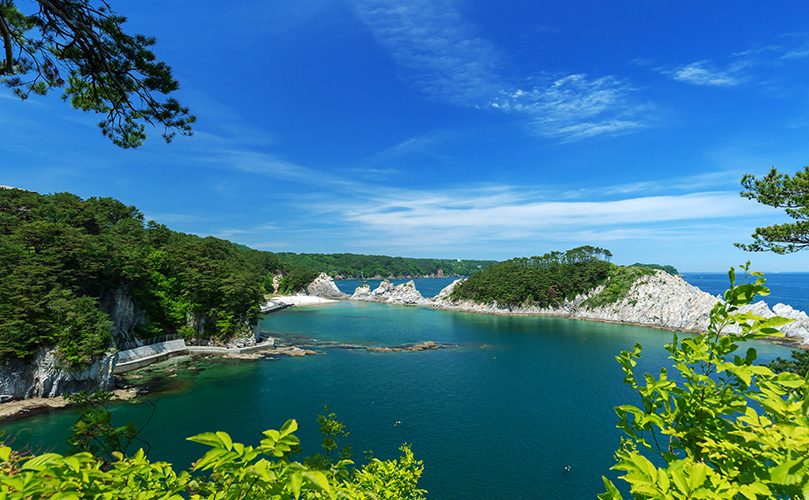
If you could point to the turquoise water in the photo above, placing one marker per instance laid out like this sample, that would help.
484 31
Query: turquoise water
498 416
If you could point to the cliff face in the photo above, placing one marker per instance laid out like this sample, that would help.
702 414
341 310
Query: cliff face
125 316
42 376
323 286
659 300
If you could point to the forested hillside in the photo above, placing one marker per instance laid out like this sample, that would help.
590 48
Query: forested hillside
61 255
355 266
540 280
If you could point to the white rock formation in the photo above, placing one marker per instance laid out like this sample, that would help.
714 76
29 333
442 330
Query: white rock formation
444 293
323 286
362 292
405 293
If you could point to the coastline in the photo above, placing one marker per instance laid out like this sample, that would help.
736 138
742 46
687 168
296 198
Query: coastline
24 408
662 302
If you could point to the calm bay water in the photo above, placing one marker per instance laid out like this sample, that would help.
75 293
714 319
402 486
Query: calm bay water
498 416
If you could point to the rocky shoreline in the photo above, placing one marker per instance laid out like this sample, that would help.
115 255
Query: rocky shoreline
659 300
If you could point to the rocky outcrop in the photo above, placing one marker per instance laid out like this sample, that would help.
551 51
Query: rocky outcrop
323 286
125 316
42 376
659 300
447 290
405 293
362 292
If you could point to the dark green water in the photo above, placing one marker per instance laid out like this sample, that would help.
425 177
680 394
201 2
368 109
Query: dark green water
499 416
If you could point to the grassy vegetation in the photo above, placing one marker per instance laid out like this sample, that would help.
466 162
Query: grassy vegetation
620 281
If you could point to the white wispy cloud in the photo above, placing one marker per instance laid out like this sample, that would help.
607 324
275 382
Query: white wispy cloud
412 145
575 107
741 67
537 216
442 55
703 73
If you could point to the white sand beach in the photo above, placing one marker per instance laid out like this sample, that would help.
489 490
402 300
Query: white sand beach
300 300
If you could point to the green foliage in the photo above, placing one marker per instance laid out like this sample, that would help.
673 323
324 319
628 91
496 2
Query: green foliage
333 431
722 428
544 281
780 191
93 431
354 266
228 470
799 364
663 267
82 49
621 280
296 277
63 258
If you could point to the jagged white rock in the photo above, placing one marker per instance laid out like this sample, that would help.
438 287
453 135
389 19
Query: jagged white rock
323 286
406 293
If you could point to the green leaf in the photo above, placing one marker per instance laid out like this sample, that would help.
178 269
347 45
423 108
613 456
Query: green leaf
289 427
790 472
224 438
697 476
612 492
208 438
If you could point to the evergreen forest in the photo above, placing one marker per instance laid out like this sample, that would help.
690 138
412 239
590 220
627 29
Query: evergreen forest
66 259
357 266
544 280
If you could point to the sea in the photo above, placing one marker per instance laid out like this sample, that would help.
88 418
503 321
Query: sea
501 410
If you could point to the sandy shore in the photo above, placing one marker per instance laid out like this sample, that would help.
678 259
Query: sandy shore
27 407
300 300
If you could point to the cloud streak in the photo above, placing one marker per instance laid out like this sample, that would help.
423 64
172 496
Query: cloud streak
741 67
440 54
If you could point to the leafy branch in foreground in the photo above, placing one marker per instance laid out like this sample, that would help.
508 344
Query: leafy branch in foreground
724 427
227 471
80 46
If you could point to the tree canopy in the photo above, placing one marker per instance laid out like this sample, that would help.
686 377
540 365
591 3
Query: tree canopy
780 191
63 259
349 265
80 47
540 280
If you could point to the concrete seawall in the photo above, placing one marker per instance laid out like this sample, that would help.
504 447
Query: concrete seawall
132 359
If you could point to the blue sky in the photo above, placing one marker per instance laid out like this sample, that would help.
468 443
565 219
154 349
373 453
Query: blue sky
457 129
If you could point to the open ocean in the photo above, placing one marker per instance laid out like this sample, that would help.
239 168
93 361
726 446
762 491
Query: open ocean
785 288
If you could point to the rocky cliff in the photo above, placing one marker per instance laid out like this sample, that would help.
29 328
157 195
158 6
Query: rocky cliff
659 300
125 316
42 376
323 286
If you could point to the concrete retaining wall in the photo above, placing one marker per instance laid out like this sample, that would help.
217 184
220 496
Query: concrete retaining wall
147 351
